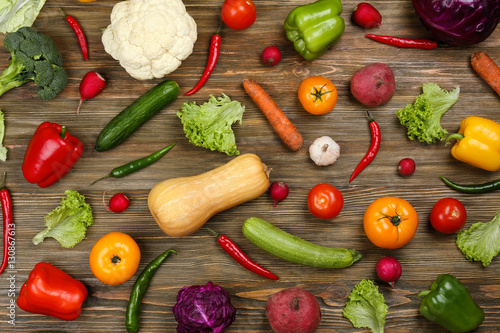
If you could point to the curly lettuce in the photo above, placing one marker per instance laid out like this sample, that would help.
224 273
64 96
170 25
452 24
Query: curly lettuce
423 118
366 307
68 222
209 125
481 242
15 14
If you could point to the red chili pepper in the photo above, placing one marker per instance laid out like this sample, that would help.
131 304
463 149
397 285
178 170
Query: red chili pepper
213 56
372 151
8 223
77 29
237 254
50 155
425 44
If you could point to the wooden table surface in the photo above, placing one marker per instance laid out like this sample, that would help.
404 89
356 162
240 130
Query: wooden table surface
199 258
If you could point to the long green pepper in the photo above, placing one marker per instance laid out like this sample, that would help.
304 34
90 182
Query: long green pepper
139 290
136 165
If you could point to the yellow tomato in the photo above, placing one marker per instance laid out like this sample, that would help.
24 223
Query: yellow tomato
390 222
318 95
115 258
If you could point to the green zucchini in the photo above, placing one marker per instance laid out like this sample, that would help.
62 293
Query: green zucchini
289 247
136 114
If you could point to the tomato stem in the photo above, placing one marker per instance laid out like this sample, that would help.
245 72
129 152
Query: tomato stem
116 259
319 94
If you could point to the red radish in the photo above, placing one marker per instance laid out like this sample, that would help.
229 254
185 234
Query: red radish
271 55
91 86
118 202
389 270
406 167
366 16
278 191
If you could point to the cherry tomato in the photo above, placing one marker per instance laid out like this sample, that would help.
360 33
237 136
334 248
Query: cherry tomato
238 14
318 95
390 222
114 258
325 201
448 215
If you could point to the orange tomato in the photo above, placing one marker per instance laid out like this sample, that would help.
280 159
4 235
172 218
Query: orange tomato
390 222
114 258
318 95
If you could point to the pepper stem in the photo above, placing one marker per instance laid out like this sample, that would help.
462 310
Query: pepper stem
456 136
2 185
63 132
214 232
423 293
370 119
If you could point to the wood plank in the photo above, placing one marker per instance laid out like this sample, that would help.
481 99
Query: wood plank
199 257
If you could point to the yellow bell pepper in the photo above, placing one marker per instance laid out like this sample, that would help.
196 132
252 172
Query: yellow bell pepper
478 143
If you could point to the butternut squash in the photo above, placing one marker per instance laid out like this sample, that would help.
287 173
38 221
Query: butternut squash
183 205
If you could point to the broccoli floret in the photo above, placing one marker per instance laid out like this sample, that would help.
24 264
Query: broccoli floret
34 57
423 118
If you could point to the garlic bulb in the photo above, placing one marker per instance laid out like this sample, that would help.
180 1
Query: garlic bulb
324 151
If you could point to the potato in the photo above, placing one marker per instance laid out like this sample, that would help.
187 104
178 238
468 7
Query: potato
293 310
373 85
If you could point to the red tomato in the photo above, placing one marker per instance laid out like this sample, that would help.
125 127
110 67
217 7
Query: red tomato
238 14
448 215
325 201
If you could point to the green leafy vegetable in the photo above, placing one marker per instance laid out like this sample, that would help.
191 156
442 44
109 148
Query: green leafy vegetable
366 307
3 150
15 14
423 118
68 222
209 125
481 242
33 57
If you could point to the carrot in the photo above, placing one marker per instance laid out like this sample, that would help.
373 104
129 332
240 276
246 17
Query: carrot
288 133
487 69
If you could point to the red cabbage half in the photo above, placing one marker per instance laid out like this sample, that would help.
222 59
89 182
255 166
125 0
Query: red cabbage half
459 22
203 309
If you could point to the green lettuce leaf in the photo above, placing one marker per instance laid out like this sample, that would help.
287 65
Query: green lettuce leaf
423 118
68 222
366 307
3 150
209 125
481 242
15 14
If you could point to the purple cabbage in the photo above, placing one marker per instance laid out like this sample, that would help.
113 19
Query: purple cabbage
203 309
459 22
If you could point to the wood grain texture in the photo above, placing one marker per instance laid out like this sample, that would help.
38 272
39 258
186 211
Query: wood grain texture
199 257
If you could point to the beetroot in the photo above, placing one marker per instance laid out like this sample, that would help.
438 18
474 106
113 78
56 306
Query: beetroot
271 55
293 310
366 16
373 85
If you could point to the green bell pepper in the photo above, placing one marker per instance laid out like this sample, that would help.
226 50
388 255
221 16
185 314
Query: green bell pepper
450 305
315 27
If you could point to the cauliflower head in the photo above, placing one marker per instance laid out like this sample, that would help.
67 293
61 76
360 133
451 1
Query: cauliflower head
150 38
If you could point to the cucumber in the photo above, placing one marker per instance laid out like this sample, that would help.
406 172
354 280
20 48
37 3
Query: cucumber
289 247
136 114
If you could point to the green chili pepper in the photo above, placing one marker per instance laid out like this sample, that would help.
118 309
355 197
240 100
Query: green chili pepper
139 290
314 28
136 165
449 304
473 189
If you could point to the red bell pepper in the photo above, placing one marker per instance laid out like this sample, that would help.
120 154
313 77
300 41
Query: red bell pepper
52 292
50 155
